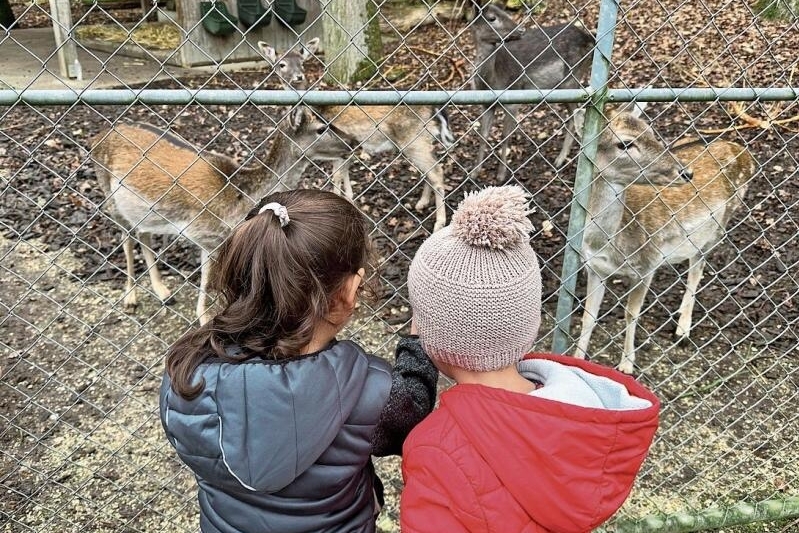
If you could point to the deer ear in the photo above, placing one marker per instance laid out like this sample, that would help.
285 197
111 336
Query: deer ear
298 116
638 109
268 52
310 48
635 108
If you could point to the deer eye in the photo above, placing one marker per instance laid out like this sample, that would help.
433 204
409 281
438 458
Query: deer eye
282 66
625 145
491 18
321 129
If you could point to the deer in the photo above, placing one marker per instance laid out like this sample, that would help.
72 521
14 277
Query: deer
512 57
289 67
648 207
157 183
410 130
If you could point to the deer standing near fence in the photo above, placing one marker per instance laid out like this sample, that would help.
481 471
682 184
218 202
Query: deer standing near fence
156 183
410 130
289 66
510 57
648 207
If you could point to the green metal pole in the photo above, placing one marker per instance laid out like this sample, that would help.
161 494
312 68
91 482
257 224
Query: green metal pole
49 97
600 68
712 518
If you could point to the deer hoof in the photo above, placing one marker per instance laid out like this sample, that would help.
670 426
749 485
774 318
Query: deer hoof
681 333
130 303
163 293
626 367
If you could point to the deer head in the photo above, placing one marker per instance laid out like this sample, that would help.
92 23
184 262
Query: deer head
493 25
630 152
289 67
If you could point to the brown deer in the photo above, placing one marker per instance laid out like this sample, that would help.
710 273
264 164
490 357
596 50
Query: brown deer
289 67
650 206
156 183
410 130
510 57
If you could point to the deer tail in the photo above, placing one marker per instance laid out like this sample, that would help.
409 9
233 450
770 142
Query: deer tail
445 135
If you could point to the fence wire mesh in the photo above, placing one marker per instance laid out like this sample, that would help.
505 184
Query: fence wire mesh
80 361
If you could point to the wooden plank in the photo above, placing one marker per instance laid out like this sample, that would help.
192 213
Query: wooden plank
67 52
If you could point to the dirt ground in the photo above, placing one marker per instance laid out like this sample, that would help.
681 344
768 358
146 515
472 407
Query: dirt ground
82 448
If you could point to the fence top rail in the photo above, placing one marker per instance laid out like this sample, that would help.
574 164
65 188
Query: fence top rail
9 97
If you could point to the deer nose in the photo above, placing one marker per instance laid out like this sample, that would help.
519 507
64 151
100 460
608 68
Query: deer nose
299 77
686 173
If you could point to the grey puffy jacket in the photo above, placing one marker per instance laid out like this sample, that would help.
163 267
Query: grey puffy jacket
286 446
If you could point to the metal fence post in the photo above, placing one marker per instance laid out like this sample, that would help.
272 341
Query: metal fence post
606 28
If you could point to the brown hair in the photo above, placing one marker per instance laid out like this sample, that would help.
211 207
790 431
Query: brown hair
275 283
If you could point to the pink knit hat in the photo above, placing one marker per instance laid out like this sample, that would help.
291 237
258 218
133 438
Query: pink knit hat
475 286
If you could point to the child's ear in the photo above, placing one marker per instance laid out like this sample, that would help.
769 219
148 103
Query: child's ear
350 289
344 302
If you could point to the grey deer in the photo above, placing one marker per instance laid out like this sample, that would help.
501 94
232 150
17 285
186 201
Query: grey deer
156 183
511 57
650 206
410 130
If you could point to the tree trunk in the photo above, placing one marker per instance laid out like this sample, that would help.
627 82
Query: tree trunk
7 18
351 40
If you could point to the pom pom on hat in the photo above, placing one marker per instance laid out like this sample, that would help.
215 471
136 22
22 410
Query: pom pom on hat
494 218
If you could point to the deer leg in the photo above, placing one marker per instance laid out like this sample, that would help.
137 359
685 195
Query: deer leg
570 133
486 121
695 267
434 181
157 283
129 302
428 182
594 292
423 158
341 177
424 199
631 313
511 123
436 178
205 271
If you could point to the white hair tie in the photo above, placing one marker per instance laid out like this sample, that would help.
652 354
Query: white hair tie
279 210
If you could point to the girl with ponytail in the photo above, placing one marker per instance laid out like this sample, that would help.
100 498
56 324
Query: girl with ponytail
276 417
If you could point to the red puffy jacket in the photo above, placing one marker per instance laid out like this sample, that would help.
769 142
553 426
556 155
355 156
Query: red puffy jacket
491 460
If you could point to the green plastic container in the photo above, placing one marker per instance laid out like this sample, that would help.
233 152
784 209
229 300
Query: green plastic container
289 13
253 14
217 20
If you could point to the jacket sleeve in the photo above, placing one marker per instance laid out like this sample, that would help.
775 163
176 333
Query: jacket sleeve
412 397
437 495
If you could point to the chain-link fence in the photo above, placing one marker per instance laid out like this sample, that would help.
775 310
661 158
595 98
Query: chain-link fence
81 361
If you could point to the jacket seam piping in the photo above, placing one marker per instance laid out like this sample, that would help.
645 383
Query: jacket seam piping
224 459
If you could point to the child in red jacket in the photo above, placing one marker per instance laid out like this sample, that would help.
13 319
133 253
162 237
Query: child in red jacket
523 442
